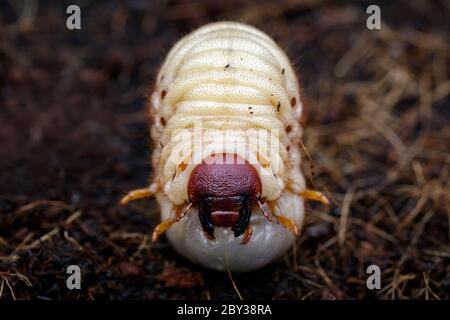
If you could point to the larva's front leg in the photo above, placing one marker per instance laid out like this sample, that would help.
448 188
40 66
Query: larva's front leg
306 194
247 234
137 194
140 193
285 221
315 196
309 194
166 224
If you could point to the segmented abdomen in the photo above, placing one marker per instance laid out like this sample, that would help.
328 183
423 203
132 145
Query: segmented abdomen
226 76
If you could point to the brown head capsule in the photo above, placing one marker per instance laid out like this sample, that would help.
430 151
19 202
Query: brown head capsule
223 188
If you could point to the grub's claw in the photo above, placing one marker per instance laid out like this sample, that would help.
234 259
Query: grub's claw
315 195
140 193
247 234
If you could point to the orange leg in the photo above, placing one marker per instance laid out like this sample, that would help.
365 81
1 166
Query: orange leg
284 221
287 223
140 193
315 195
308 193
166 224
265 210
247 234
162 227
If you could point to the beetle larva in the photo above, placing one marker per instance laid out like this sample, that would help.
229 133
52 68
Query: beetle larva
226 159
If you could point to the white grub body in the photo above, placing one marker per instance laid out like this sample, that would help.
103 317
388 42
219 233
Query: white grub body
230 77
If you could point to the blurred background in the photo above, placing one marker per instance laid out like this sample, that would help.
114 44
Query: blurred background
74 138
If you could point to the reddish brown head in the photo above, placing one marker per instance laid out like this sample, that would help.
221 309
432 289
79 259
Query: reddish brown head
223 188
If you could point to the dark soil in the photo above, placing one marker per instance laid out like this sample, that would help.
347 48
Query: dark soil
74 139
